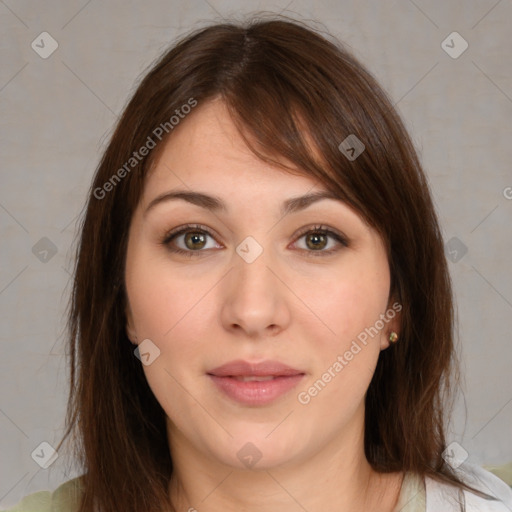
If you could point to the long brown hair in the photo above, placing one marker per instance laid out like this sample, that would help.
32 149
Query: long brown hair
292 93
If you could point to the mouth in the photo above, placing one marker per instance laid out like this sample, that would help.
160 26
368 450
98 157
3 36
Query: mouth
252 378
255 384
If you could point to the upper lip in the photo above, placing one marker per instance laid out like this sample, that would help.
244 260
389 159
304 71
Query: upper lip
240 368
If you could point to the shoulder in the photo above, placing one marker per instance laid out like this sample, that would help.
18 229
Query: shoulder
440 496
504 472
63 499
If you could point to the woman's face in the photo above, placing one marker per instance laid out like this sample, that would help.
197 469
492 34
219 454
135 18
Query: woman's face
252 286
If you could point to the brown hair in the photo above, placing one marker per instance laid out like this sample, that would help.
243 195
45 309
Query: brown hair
294 94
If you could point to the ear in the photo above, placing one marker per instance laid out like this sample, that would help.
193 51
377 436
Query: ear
393 323
130 329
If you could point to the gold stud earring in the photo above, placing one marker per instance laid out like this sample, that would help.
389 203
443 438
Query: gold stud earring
393 337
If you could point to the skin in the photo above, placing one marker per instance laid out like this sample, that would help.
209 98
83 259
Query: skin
287 305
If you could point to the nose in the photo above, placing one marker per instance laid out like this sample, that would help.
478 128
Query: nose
254 298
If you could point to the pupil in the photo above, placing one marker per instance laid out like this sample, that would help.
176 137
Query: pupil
316 237
194 238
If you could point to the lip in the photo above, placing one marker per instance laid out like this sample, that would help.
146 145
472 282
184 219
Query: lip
240 368
282 378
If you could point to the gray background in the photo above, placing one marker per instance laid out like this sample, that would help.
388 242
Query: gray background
57 114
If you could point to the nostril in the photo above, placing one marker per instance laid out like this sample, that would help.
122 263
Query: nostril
274 329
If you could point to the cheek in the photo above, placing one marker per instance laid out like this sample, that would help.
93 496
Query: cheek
170 309
353 307
174 311
346 301
161 298
344 362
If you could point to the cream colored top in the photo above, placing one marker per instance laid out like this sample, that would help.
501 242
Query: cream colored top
65 497
416 494
412 496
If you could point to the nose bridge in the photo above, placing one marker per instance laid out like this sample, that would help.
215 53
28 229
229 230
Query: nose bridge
252 276
254 299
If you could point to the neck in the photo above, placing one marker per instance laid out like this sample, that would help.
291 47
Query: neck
337 477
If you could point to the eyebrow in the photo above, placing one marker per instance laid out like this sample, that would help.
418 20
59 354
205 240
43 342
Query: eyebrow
215 204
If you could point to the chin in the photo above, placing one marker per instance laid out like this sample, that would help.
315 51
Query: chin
254 450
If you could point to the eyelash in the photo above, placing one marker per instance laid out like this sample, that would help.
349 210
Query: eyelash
170 236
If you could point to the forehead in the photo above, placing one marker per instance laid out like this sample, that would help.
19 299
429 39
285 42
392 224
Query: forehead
206 151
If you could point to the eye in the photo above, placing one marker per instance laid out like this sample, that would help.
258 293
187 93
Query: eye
317 238
194 238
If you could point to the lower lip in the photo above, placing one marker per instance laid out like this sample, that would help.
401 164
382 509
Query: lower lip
256 392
